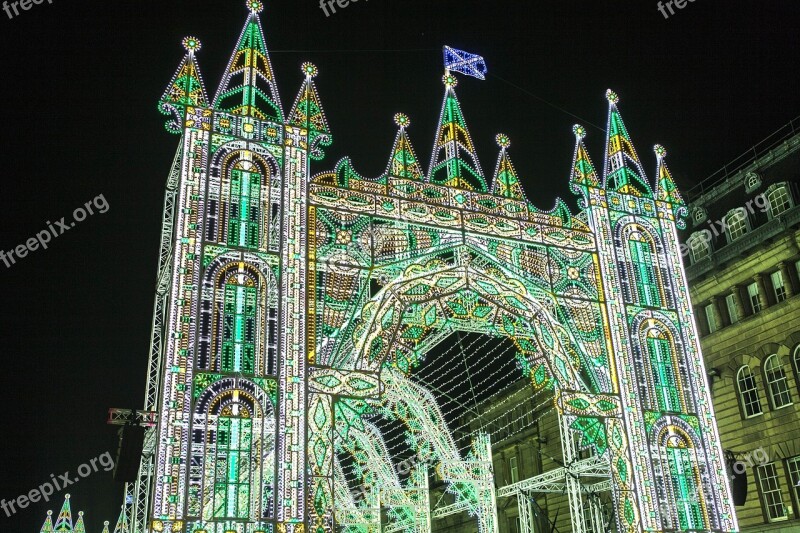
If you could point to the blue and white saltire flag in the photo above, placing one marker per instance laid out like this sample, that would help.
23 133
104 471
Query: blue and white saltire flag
464 62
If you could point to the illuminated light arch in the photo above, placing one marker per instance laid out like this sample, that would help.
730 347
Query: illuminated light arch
360 276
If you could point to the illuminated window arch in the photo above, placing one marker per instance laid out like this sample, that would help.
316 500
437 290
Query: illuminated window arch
238 332
777 384
661 353
645 272
244 205
748 392
241 210
685 505
233 449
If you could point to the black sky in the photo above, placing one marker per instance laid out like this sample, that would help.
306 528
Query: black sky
80 82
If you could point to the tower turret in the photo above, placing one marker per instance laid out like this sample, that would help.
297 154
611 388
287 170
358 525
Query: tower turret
248 87
455 162
403 162
47 527
307 113
623 170
506 181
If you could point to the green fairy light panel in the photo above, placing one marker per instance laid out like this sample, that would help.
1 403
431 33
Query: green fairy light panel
295 304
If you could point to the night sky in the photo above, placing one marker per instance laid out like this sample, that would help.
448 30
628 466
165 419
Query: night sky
80 82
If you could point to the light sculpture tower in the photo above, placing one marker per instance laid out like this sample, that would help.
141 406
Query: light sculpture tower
293 308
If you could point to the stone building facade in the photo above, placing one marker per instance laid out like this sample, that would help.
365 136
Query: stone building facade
743 266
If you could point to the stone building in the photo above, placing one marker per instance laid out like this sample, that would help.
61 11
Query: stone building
742 263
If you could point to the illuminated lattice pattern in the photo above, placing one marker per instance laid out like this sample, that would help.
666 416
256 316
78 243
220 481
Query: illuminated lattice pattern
301 304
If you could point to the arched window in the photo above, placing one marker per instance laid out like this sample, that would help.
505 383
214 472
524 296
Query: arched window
645 276
796 363
748 392
239 325
736 224
685 487
666 380
232 452
752 182
777 384
244 207
684 504
700 245
778 199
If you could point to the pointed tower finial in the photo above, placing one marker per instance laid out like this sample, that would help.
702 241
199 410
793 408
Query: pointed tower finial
105 527
403 163
623 170
79 525
455 161
191 44
186 87
64 521
583 174
307 113
309 69
248 86
506 181
402 120
666 190
47 527
122 521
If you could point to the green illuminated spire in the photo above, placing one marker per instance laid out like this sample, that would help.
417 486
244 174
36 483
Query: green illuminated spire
47 527
506 181
122 522
187 87
403 163
584 174
307 112
105 527
666 190
455 162
623 170
64 521
248 87
79 526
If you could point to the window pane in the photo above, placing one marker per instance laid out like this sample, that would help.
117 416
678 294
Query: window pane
771 492
777 285
730 302
752 292
736 225
748 393
793 468
779 201
712 323
777 383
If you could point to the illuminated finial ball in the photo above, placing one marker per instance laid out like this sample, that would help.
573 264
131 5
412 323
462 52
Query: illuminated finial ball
191 44
660 151
450 80
402 120
255 6
310 70
502 140
49 513
66 496
579 131
612 97
105 523
80 513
